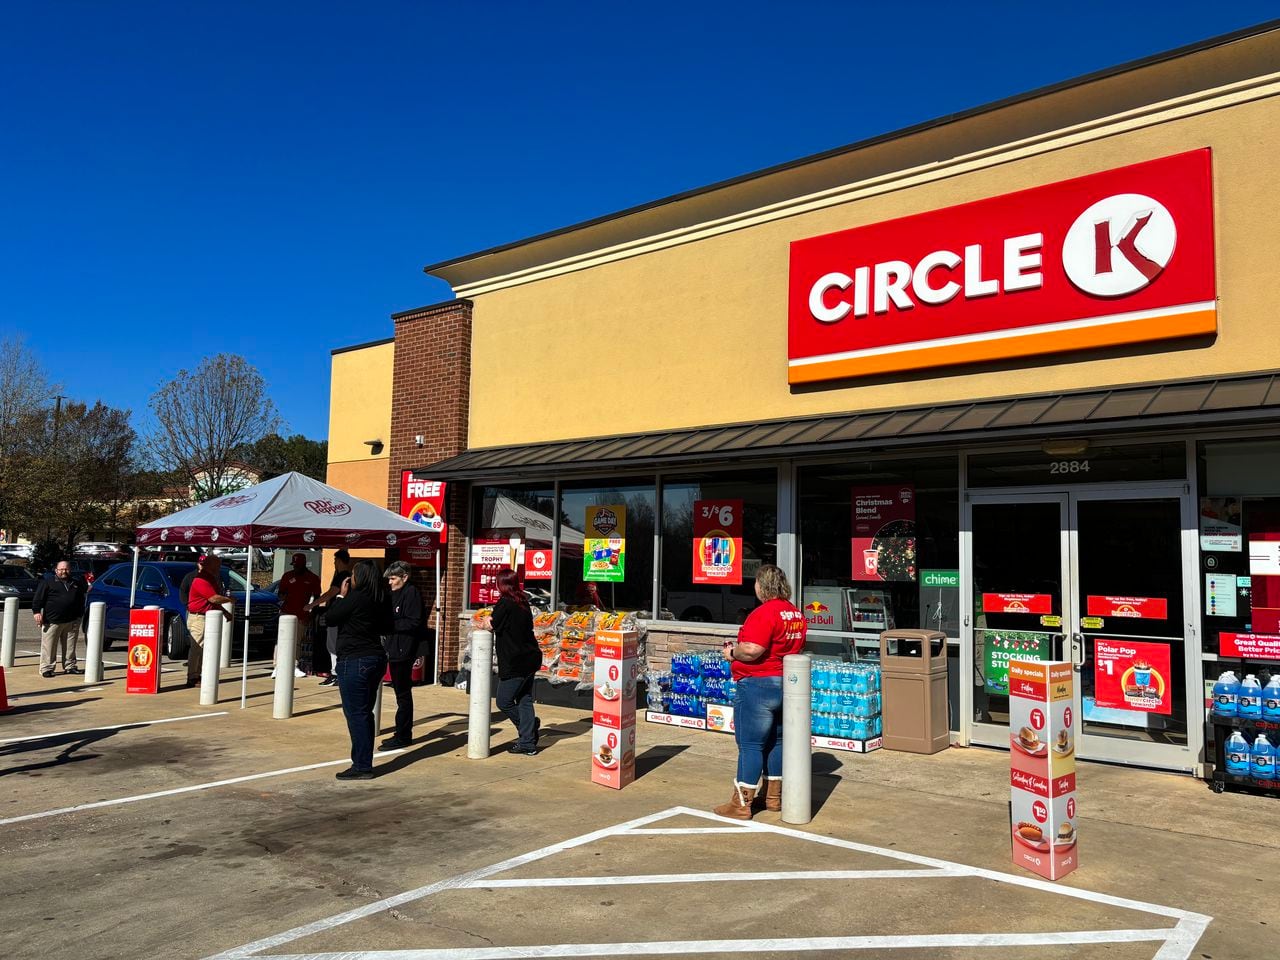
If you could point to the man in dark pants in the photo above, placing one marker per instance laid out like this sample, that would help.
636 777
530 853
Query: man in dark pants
402 644
58 606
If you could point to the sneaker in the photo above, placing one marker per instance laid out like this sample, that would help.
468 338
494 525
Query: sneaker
73 670
190 683
395 743
328 681
523 751
298 673
47 674
351 773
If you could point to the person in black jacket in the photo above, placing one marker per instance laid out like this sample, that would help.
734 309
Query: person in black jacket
58 606
409 617
362 615
518 660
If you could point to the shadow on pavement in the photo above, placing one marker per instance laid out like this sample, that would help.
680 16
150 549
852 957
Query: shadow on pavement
825 779
72 743
655 757
433 745
39 707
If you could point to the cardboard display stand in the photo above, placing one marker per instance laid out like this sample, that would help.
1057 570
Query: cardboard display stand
1042 761
613 729
143 672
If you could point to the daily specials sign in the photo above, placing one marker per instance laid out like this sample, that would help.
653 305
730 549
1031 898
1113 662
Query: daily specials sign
143 672
604 549
422 501
1042 767
717 541
1118 257
1133 675
884 533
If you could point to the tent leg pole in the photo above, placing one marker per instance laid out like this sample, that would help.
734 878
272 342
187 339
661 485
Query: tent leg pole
435 666
244 661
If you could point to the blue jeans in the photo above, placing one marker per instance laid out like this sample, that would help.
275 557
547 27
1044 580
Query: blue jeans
757 721
515 698
358 679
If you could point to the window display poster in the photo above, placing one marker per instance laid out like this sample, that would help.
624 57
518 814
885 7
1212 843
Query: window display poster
821 607
539 564
884 533
1264 577
1251 646
717 541
1220 594
1132 675
1001 646
1220 528
1017 603
604 549
422 501
487 558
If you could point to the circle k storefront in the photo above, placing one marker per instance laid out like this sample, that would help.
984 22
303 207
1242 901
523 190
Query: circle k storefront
1010 375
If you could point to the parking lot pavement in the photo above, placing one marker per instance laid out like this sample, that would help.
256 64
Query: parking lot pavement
135 826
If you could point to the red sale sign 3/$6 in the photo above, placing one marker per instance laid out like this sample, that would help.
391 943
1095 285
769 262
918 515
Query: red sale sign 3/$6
1117 257
717 541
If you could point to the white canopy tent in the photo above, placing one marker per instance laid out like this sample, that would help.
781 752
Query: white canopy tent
291 510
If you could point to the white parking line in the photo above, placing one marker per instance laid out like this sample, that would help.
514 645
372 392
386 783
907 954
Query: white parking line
713 877
177 790
114 726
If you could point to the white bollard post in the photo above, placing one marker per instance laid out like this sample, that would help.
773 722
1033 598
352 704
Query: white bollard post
480 688
286 640
212 657
93 642
9 637
797 748
228 641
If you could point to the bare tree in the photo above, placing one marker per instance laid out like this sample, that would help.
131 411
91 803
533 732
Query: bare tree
204 416
24 392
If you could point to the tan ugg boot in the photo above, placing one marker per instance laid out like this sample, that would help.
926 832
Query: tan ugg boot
773 794
739 805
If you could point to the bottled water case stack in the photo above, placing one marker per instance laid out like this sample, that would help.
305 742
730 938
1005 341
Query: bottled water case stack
846 699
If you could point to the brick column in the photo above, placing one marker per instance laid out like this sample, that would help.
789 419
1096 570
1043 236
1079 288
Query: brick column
430 397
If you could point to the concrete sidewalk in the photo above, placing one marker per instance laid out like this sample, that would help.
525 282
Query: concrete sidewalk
229 861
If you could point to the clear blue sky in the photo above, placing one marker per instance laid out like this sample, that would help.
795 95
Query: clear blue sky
269 178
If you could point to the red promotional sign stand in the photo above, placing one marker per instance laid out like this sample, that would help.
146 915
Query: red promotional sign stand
1042 767
143 672
4 696
613 729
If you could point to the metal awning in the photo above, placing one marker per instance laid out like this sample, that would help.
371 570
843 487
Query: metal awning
1200 404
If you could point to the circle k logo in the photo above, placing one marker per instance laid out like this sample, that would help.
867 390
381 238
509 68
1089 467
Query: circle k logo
1119 245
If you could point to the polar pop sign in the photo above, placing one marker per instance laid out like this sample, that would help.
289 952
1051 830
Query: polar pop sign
1124 256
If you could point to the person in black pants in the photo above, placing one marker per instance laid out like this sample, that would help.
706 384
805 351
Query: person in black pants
408 619
362 615
518 660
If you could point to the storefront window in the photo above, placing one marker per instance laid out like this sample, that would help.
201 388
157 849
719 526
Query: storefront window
1239 531
509 525
880 548
606 544
717 529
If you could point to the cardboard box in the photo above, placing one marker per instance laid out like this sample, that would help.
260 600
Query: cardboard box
613 703
1042 767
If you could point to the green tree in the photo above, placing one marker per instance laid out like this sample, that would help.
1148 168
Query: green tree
25 393
274 455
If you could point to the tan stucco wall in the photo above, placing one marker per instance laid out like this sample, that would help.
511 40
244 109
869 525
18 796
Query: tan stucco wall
696 334
360 405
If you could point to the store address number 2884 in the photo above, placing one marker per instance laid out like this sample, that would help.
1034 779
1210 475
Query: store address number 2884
1069 466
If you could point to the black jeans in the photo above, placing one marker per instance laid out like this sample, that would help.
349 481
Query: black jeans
515 699
402 684
358 679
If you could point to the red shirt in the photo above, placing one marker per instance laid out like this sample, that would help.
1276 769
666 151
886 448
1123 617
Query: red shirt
777 626
202 589
296 590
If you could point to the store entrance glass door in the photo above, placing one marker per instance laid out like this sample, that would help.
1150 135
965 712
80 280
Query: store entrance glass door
1095 577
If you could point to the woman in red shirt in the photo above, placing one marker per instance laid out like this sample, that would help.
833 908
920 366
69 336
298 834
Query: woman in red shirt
774 630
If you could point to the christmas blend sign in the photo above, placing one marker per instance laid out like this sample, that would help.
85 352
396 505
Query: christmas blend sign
1132 675
604 549
717 541
884 533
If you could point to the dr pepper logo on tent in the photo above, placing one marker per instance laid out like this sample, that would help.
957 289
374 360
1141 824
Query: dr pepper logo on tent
1119 257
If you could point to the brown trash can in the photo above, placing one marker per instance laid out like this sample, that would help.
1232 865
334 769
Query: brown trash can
913 690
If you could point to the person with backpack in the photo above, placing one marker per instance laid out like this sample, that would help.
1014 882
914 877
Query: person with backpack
408 622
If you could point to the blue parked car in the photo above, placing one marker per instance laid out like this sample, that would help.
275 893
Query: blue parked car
158 585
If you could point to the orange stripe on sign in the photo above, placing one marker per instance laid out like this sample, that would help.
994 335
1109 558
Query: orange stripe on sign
1168 327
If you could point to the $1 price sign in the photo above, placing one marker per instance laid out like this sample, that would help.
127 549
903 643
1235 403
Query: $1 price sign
717 541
